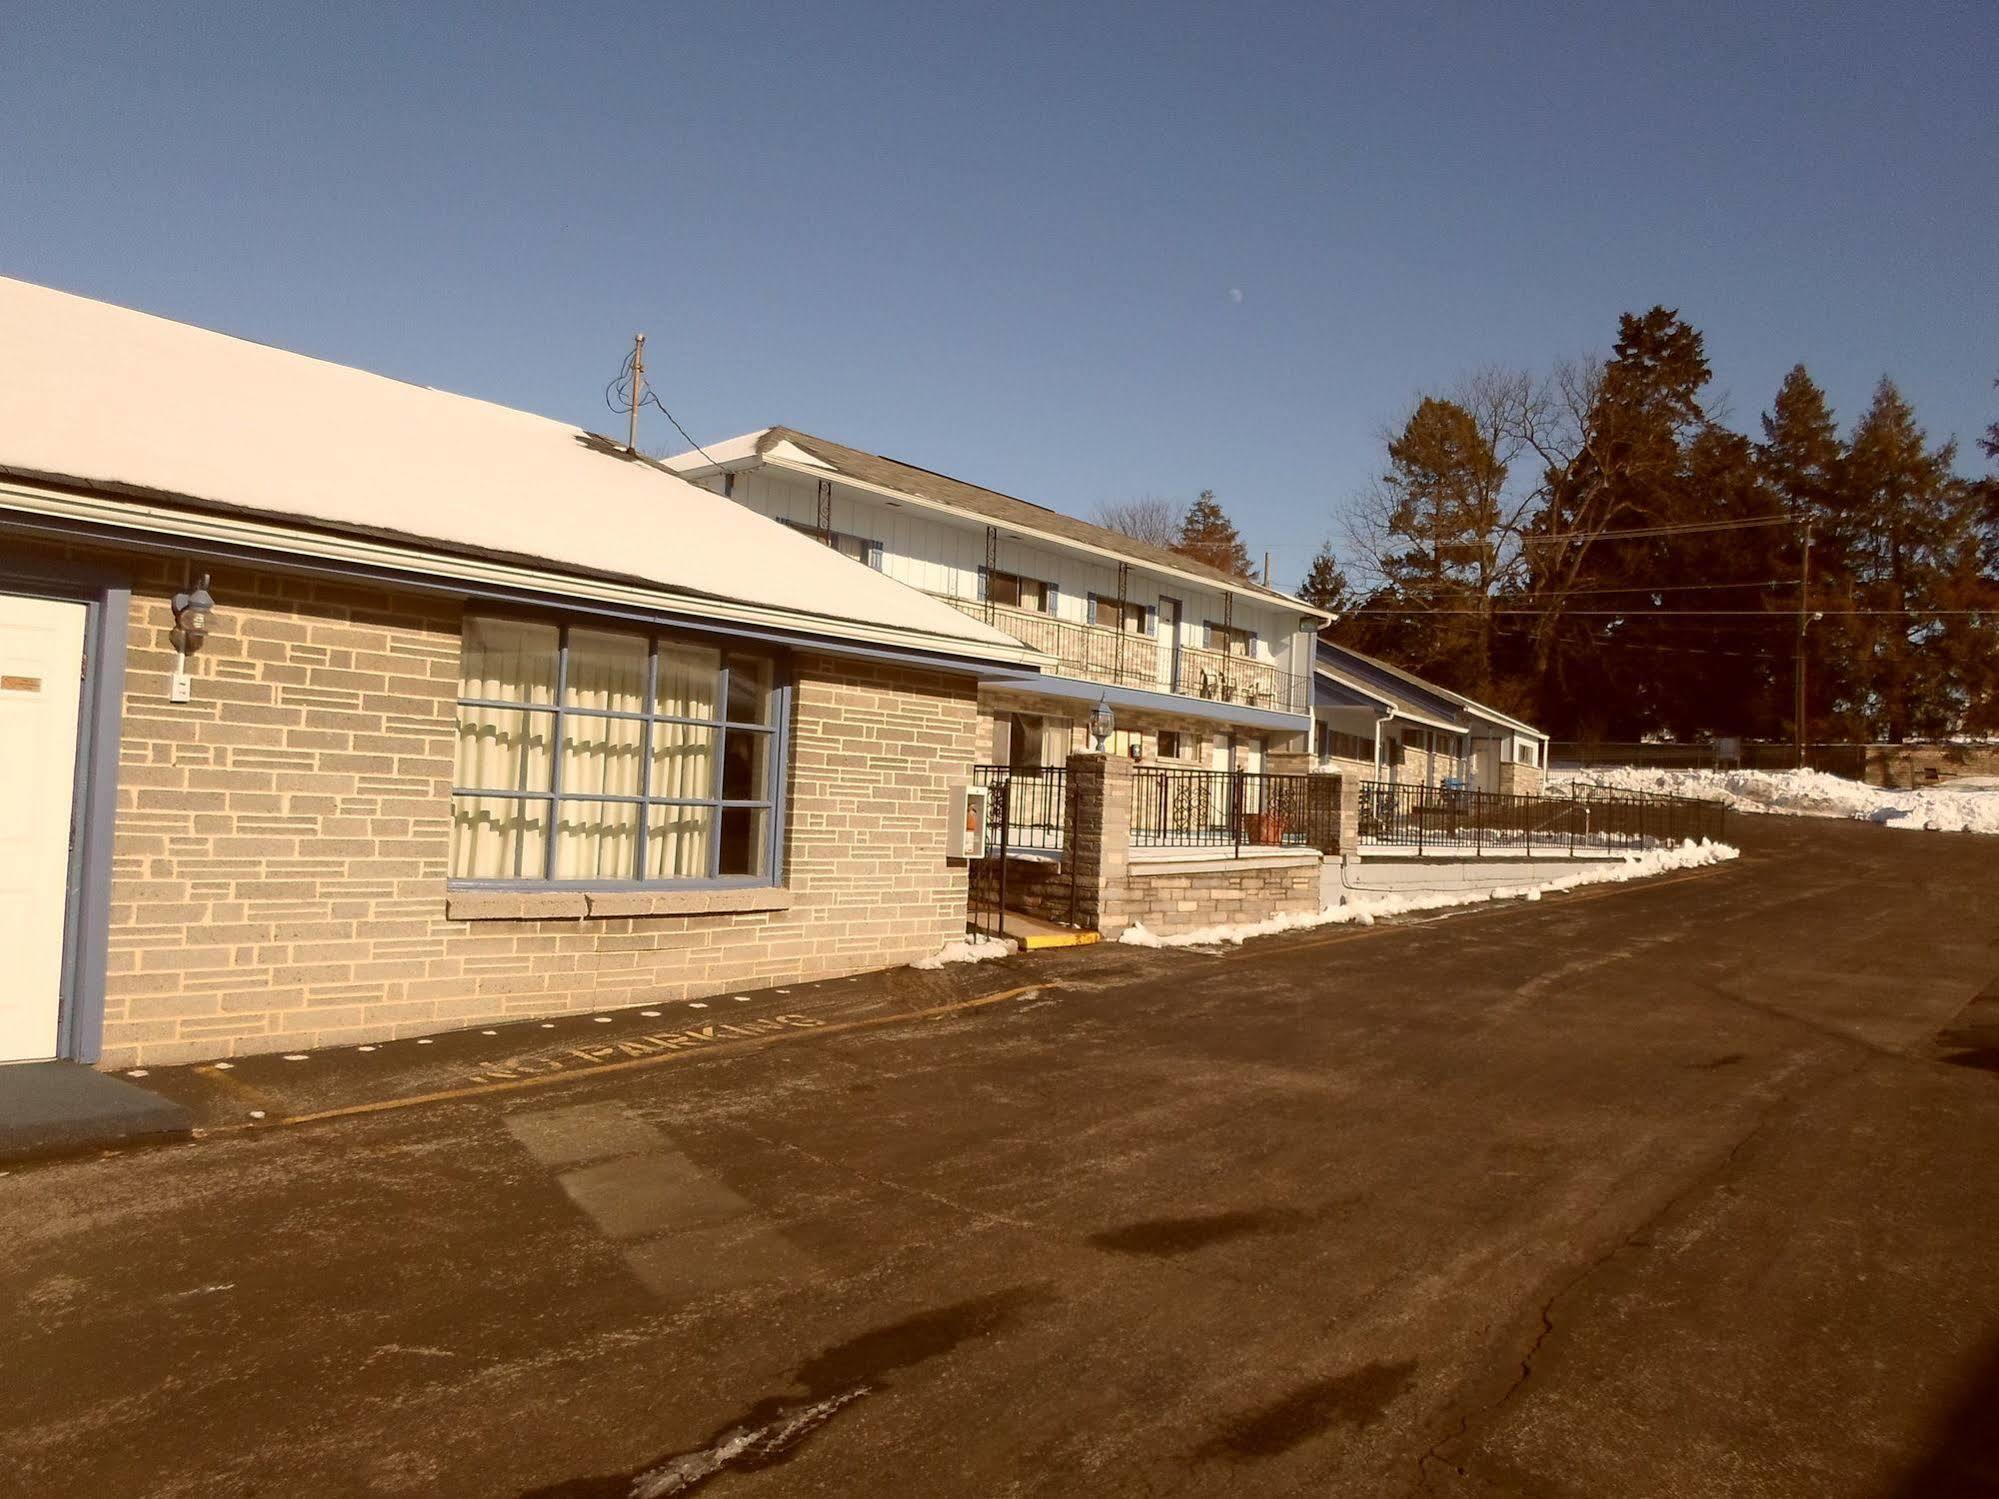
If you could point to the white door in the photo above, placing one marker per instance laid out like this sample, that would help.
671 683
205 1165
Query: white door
41 683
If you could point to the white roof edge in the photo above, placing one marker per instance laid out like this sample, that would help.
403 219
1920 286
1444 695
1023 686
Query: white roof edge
1396 711
689 463
256 533
246 435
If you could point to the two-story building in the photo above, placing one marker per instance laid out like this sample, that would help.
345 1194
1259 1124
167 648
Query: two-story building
1197 667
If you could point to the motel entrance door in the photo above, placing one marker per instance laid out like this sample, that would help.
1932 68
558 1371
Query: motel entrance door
41 685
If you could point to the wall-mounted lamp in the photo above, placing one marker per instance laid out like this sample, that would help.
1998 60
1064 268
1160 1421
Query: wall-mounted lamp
1101 722
194 614
194 611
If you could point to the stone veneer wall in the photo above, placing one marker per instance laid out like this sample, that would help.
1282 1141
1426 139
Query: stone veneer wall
281 840
1181 897
1520 780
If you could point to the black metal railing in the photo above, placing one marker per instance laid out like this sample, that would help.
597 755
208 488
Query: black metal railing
1232 808
1035 807
1447 819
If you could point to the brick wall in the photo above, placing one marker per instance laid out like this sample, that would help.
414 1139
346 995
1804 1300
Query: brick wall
1520 780
281 841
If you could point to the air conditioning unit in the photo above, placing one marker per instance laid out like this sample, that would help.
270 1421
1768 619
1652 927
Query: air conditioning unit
966 837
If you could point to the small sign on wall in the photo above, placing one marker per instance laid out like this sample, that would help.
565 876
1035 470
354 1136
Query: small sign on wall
20 684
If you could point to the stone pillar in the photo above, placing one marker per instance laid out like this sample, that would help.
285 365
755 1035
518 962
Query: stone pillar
1098 842
1349 821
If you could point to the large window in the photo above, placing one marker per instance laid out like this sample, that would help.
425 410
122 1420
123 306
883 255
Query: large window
599 756
1017 591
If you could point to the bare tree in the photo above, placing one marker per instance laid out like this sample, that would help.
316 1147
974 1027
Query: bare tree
1152 519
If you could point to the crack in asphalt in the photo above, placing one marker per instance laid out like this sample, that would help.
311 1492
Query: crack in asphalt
1789 1104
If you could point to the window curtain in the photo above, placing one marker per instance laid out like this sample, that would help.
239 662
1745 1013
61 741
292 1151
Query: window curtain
598 840
503 748
683 762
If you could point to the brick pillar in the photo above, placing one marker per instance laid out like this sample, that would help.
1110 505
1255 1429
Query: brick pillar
1349 823
1099 838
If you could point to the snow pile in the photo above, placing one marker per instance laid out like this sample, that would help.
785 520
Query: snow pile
971 950
1965 808
1365 910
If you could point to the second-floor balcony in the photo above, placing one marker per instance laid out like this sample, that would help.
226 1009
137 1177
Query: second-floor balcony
1121 658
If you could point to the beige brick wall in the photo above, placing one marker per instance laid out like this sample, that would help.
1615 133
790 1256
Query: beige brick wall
1229 894
281 842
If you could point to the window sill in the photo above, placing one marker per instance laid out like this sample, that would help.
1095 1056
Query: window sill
578 905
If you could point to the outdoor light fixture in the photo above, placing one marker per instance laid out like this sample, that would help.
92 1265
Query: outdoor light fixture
1101 722
194 611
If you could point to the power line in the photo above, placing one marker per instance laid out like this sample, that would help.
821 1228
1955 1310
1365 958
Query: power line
618 396
1636 533
1691 613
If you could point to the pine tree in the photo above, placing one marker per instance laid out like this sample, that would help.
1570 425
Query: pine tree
1629 469
1326 583
1442 499
1907 523
1803 461
1208 535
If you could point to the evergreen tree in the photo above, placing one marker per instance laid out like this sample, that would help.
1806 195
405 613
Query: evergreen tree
1628 470
1906 524
1803 461
1441 497
1326 583
1208 535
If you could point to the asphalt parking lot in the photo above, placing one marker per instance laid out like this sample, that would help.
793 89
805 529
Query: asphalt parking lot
1682 1188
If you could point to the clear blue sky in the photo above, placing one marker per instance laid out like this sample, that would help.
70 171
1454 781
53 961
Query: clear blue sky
1073 252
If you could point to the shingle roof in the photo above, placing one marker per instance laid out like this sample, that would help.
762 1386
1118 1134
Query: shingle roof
1407 690
1003 509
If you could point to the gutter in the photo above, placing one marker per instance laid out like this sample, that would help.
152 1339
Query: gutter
148 525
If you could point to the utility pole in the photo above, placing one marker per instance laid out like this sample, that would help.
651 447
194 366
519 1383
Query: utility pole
1266 569
1804 592
638 390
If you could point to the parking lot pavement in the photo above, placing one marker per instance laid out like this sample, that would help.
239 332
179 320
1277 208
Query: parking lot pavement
1682 1188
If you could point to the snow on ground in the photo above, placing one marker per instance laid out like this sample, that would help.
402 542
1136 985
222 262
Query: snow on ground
1962 807
1365 910
971 950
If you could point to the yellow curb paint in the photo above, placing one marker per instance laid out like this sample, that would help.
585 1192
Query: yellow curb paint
1059 939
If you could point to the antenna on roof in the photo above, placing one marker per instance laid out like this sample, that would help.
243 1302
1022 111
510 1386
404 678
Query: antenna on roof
638 390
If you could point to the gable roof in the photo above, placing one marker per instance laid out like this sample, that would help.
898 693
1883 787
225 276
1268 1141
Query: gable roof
789 445
118 402
1410 697
1405 690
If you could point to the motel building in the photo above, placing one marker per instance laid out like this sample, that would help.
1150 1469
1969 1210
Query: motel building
1197 668
335 709
1390 727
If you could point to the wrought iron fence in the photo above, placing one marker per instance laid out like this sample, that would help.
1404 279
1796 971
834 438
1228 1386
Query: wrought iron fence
1232 808
1591 820
1035 807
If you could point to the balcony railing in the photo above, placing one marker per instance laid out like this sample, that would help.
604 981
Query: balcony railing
1098 653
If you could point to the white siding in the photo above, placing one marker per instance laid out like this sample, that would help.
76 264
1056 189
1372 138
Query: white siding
941 554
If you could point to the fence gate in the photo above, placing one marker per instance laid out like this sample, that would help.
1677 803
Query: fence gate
985 884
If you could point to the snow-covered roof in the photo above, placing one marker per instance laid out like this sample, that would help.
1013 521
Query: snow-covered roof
102 398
